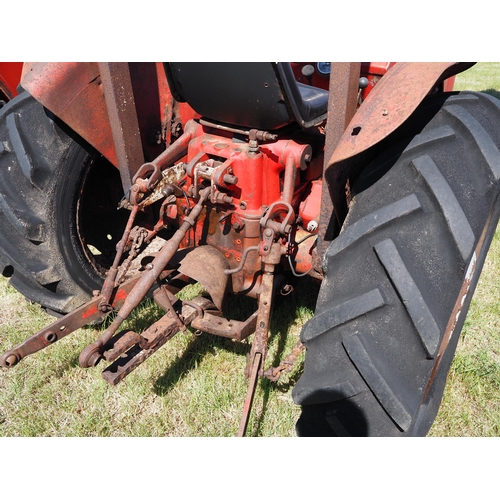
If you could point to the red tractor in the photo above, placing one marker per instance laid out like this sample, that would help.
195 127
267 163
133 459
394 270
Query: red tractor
120 181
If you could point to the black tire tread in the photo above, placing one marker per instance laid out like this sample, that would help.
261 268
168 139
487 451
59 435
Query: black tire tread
410 295
34 148
411 231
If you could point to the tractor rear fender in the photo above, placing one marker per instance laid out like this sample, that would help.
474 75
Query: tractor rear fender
73 92
391 102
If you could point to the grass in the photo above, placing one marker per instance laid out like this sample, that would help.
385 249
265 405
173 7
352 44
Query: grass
194 385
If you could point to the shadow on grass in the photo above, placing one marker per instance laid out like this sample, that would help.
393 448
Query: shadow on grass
283 317
194 353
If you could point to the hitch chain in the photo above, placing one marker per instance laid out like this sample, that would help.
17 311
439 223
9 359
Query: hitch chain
139 236
286 366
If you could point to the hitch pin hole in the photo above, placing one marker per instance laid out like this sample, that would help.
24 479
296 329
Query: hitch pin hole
50 337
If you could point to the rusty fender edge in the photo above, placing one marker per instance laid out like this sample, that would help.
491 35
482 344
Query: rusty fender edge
390 104
73 92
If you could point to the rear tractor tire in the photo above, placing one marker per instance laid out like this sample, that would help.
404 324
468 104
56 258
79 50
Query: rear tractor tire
400 276
58 219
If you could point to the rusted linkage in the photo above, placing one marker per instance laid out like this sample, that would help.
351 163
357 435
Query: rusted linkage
254 376
222 327
131 349
91 355
84 315
150 174
109 282
258 351
271 253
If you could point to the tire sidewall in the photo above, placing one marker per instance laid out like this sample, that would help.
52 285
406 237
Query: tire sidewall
68 191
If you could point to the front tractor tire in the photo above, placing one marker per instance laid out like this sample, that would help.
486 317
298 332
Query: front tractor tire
58 198
400 276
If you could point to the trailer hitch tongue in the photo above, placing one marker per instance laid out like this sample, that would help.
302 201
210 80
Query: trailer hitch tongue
93 353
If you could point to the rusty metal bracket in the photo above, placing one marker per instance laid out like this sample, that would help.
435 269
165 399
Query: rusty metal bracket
152 171
120 103
154 337
273 211
342 99
130 349
228 328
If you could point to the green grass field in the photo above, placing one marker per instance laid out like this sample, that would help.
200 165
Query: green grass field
194 385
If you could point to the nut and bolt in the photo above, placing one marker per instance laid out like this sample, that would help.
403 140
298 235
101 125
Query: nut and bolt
312 226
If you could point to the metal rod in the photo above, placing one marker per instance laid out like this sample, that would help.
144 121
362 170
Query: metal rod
82 316
152 170
342 99
250 395
109 282
289 180
258 351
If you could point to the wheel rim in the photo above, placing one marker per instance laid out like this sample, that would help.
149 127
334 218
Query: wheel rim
98 223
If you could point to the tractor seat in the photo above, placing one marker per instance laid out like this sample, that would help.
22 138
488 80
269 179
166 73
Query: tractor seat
262 96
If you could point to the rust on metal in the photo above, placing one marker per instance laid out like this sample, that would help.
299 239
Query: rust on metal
274 373
120 104
472 273
386 107
162 296
152 171
342 100
258 351
91 354
228 328
170 176
84 315
120 344
156 335
145 344
109 282
73 92
207 265
254 376
260 339
389 104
